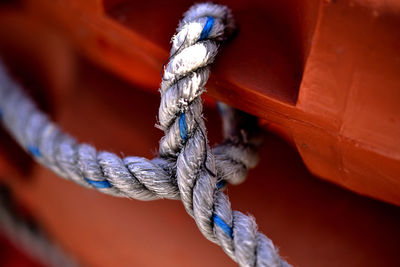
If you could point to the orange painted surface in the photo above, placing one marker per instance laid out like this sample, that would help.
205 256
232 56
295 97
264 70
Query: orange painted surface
323 75
326 73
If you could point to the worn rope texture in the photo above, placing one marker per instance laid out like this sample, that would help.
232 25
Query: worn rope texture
25 235
186 169
185 140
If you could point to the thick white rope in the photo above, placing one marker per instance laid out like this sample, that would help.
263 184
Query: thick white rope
187 168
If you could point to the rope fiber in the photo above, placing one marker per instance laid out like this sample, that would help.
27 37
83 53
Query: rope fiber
186 168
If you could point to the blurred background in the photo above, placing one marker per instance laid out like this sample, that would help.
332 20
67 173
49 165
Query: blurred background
322 76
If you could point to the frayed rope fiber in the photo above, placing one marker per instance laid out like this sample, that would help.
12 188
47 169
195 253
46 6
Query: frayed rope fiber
186 169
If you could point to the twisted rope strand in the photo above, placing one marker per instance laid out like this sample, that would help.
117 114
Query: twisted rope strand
132 177
185 139
187 168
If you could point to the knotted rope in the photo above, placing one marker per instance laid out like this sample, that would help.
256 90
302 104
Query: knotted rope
186 168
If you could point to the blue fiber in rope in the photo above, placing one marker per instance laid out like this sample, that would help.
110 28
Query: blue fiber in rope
34 151
98 184
207 28
220 108
222 224
221 184
183 126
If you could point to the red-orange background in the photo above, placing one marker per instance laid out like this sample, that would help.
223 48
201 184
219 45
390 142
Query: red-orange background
314 223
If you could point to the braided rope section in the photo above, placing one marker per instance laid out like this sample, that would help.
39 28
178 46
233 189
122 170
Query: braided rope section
25 235
187 168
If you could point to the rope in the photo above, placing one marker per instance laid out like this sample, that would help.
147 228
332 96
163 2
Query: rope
27 236
186 168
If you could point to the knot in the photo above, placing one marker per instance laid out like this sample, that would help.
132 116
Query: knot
187 168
